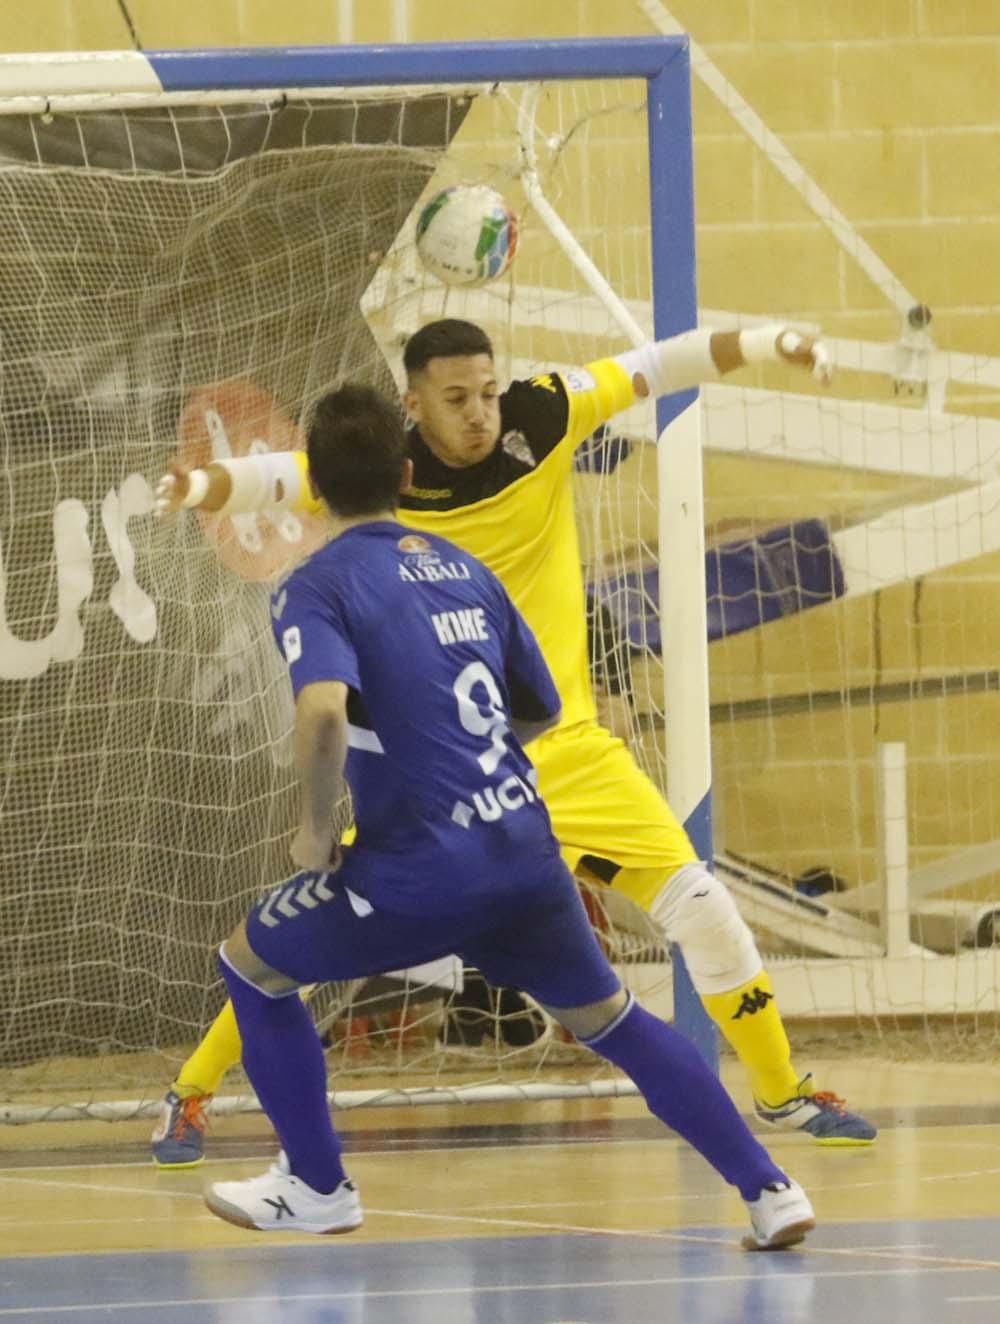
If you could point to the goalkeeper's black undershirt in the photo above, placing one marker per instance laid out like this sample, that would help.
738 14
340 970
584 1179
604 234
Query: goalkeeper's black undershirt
533 419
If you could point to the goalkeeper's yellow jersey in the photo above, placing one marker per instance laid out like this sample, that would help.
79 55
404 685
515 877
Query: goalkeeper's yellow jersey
514 510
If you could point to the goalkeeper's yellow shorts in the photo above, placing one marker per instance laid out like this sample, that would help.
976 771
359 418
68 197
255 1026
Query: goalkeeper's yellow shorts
602 804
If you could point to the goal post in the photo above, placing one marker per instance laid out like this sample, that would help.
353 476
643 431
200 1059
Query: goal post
196 244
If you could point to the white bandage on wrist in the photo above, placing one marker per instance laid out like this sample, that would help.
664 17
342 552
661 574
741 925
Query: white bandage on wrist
197 486
759 344
673 365
767 344
258 482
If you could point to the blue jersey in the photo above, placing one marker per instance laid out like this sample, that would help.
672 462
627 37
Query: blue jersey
437 661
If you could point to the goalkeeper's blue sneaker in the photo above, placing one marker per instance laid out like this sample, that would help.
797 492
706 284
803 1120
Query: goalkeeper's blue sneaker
179 1138
819 1114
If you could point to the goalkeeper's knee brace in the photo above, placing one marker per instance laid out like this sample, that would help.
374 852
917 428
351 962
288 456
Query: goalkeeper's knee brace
698 913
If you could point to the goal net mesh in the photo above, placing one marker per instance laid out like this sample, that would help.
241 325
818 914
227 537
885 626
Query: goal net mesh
183 281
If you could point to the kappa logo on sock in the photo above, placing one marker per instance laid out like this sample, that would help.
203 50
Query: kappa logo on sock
280 1206
752 1003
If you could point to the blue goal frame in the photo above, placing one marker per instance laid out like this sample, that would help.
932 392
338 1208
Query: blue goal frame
664 63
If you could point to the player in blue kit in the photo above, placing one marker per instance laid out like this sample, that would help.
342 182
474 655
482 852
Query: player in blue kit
417 681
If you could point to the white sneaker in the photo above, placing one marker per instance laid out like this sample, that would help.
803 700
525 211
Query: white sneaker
279 1202
781 1216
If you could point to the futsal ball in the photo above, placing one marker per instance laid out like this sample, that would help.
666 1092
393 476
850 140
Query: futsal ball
467 235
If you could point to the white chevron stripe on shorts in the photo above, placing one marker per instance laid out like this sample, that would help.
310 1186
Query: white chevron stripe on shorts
313 889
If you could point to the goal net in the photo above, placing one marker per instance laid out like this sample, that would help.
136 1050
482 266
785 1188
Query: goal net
182 276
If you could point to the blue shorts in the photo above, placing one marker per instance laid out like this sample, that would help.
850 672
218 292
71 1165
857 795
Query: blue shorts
535 937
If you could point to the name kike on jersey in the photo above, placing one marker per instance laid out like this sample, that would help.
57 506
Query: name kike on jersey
455 627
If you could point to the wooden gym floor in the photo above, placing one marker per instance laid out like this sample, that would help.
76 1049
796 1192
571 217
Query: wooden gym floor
555 1213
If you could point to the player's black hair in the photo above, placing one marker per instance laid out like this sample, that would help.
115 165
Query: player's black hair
357 449
448 338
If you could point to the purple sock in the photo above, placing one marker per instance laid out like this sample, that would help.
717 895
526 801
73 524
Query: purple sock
680 1090
283 1059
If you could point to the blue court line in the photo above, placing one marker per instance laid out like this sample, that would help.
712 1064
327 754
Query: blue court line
922 1272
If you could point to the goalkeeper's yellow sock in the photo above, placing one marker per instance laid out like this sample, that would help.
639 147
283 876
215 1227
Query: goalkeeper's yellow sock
220 1049
750 1023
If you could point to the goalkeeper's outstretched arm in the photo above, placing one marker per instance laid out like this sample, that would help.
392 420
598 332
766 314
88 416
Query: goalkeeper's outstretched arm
232 487
662 367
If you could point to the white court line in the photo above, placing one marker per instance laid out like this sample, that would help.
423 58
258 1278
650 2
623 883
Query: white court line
368 1294
416 1214
566 1144
963 1300
671 1197
99 1187
101 1222
20 1173
598 1142
686 1238
906 1245
950 1176
466 1215
941 1261
84 1167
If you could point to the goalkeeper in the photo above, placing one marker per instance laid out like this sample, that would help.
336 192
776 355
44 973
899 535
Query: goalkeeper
419 690
492 471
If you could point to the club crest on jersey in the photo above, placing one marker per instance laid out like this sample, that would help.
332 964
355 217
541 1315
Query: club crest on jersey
412 543
515 444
